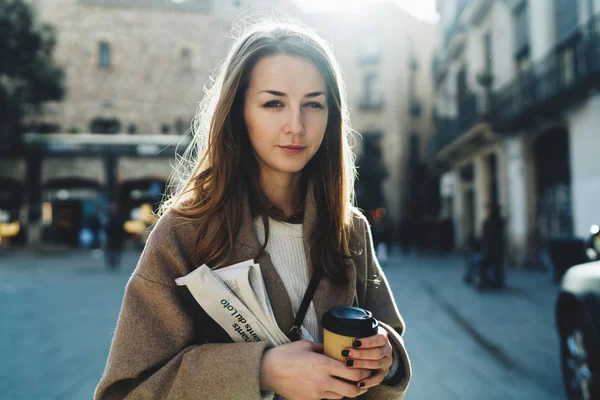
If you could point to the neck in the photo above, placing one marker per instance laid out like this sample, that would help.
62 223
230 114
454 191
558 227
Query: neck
283 191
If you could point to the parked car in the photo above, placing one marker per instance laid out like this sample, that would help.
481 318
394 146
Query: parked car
578 324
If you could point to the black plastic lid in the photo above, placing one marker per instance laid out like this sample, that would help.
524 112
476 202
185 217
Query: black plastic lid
350 321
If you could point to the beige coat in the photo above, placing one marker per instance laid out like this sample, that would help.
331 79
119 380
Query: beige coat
161 351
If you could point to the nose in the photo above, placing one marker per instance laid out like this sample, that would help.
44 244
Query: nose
295 123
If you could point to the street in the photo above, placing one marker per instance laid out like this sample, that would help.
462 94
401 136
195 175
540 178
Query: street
59 311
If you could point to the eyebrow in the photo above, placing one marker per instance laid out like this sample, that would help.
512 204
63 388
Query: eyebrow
281 94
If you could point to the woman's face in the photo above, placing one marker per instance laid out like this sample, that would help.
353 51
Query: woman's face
285 111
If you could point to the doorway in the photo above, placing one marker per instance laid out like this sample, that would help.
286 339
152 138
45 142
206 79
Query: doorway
553 182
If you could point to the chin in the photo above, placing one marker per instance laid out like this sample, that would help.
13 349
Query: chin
290 168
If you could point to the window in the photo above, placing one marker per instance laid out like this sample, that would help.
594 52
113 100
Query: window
371 97
567 67
369 52
522 29
104 52
523 64
180 126
567 19
186 59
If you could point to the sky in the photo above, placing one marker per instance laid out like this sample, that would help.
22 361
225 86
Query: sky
422 9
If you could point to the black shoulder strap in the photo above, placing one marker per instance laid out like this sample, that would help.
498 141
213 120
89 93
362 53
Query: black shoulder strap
294 332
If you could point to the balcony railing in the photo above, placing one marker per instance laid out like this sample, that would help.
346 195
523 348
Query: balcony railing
453 29
553 83
449 129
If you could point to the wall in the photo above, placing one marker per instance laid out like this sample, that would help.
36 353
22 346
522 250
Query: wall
67 167
147 83
13 168
585 165
392 29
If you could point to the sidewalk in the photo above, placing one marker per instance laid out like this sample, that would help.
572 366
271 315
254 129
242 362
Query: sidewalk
500 341
59 313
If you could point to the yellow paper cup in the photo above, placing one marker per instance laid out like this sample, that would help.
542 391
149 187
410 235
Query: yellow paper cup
342 326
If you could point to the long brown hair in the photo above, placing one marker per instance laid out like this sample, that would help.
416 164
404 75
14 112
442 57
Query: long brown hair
217 170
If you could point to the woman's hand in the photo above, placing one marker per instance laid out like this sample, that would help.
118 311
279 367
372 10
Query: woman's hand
297 371
373 353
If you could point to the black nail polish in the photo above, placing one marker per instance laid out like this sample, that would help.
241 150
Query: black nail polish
349 363
345 353
362 384
356 343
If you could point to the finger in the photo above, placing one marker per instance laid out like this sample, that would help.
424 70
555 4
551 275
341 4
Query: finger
378 340
340 370
376 353
385 362
344 388
331 395
374 380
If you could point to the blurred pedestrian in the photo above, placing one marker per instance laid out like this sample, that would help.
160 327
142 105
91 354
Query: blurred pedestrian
95 225
492 247
115 236
380 231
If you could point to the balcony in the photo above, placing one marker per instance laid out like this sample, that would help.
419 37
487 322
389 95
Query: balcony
439 68
449 129
415 108
473 12
565 76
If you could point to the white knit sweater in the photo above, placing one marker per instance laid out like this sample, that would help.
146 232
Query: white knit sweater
286 250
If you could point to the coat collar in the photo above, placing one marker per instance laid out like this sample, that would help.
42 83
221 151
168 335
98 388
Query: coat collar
328 294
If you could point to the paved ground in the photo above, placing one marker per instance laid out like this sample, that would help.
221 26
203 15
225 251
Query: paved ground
59 311
470 345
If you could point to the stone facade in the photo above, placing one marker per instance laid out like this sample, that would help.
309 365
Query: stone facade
381 41
158 63
145 63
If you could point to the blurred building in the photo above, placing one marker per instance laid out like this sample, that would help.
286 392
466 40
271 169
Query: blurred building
135 73
386 56
516 114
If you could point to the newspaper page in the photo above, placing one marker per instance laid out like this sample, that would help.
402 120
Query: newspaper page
228 297
246 281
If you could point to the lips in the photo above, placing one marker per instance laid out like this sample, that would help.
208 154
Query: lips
292 149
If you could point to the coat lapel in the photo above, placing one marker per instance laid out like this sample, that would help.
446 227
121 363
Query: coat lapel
328 294
247 246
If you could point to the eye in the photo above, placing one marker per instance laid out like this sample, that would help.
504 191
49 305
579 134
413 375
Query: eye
314 105
273 104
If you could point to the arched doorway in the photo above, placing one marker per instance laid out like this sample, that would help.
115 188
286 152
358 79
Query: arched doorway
68 203
553 184
139 200
12 195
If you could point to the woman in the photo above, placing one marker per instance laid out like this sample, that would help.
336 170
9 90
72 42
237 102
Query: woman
273 182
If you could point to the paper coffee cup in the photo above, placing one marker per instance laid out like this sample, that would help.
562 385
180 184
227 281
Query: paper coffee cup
342 326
